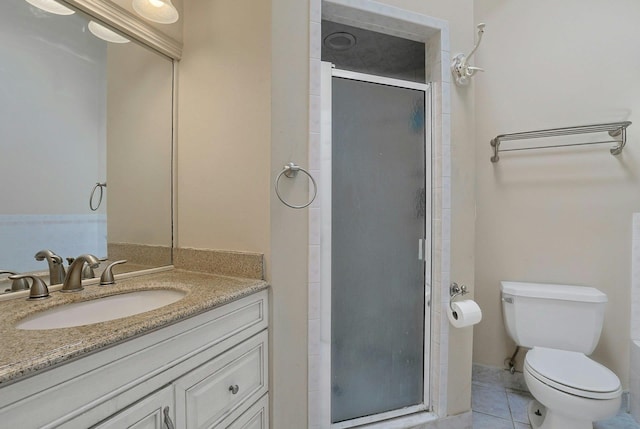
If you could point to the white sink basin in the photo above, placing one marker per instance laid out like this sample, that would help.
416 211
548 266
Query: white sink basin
100 309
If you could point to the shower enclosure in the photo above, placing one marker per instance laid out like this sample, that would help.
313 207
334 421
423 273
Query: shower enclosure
376 218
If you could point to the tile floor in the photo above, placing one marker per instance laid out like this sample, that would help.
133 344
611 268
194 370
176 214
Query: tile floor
499 401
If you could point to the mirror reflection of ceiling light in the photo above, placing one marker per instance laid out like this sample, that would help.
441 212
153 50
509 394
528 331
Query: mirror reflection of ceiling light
104 33
161 11
51 6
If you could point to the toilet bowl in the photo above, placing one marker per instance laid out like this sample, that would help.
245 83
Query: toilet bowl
561 324
575 390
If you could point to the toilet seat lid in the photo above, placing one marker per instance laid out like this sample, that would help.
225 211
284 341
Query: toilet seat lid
573 373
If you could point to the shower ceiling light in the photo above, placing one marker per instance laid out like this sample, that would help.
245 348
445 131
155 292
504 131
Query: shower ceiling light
51 6
161 11
104 33
340 41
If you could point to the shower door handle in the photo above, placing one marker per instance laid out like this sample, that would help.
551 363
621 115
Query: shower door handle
422 250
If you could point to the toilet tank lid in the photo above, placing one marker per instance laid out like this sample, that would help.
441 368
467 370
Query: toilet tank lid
553 291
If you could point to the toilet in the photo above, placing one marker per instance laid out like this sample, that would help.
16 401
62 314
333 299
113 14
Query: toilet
561 324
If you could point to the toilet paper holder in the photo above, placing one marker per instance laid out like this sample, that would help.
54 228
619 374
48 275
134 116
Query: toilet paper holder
456 290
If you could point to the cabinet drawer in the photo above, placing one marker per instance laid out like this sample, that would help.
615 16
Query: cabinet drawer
151 412
256 417
227 384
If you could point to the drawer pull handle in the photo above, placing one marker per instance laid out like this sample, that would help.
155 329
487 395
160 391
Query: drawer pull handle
167 419
234 389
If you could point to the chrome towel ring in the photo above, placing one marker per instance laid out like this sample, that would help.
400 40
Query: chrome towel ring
97 185
290 170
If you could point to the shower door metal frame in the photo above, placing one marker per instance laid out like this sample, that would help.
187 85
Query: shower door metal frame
423 249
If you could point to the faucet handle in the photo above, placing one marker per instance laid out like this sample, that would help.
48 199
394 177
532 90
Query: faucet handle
16 284
38 290
106 278
87 271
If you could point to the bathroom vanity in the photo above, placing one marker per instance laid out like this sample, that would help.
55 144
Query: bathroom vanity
200 362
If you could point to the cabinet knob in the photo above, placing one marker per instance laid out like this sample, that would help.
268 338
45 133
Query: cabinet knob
234 389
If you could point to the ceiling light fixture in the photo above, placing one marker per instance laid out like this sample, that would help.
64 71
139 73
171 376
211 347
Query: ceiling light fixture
161 11
340 41
104 33
51 6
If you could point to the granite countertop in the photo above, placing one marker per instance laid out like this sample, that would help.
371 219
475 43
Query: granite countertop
24 352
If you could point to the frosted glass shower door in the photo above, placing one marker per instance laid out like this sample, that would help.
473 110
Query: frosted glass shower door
378 216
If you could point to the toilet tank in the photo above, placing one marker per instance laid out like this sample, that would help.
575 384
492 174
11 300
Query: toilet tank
556 316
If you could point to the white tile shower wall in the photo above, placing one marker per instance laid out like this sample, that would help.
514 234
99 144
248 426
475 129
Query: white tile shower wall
66 235
435 33
634 361
317 404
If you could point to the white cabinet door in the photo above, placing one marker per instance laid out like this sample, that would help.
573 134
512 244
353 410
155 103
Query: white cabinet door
256 417
156 411
224 387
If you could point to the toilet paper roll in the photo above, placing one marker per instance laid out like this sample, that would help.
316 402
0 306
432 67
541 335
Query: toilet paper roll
464 313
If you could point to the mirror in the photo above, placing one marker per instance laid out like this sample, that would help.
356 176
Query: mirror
77 111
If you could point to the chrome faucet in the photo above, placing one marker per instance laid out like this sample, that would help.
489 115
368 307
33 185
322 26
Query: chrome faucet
73 279
56 268
87 271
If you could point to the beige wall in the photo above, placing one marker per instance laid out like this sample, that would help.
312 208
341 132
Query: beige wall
556 217
224 126
225 176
